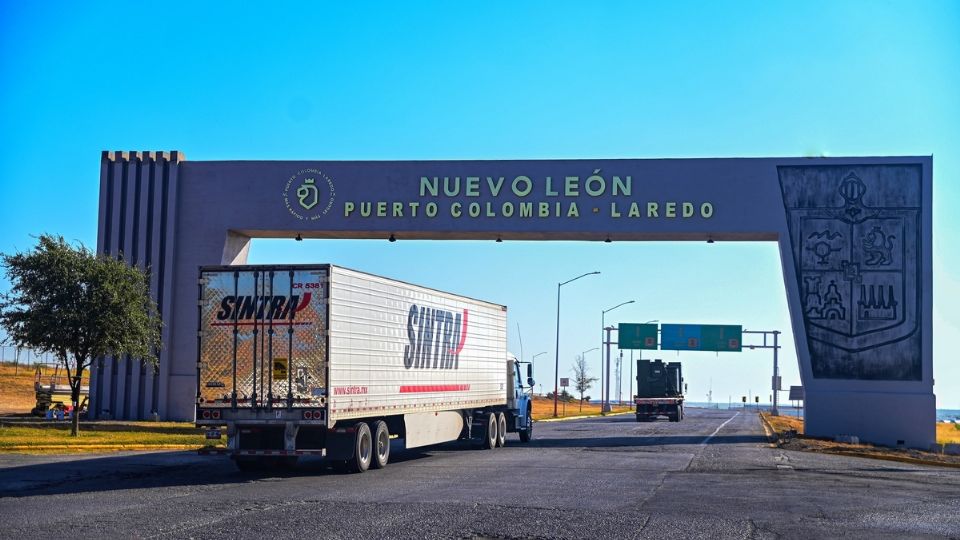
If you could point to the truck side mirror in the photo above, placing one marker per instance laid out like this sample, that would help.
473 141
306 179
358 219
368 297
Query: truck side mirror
685 388
530 375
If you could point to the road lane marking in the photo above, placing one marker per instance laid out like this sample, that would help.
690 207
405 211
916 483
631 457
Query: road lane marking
705 441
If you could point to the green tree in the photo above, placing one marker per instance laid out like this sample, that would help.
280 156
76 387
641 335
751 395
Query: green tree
67 301
582 380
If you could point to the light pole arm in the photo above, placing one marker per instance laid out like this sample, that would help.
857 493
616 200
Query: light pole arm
576 278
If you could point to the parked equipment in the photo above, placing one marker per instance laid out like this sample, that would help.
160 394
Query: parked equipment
659 390
320 359
52 390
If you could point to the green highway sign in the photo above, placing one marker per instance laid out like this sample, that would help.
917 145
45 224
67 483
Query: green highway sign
637 336
702 337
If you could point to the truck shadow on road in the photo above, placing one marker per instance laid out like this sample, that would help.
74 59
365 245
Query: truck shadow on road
157 470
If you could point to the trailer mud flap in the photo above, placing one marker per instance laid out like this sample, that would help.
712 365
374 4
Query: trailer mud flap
340 443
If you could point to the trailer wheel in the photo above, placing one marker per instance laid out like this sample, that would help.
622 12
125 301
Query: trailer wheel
362 448
489 434
527 433
501 429
381 442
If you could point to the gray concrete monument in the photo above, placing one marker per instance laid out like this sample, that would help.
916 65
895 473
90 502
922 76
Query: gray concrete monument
854 237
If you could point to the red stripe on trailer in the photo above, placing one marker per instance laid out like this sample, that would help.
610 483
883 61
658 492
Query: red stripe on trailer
417 388
463 334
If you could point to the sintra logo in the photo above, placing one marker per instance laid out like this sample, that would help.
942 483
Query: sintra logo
309 194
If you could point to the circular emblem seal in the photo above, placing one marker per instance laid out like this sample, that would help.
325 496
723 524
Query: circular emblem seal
309 194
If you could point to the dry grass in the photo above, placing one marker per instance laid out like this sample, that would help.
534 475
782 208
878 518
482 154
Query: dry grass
783 424
543 408
948 433
17 394
16 389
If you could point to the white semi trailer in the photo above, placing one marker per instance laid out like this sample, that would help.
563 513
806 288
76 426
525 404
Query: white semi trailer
320 359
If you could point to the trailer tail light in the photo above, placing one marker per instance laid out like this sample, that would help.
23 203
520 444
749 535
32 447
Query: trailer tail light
215 414
205 415
312 415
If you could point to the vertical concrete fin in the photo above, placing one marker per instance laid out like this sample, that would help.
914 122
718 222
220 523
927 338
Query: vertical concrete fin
136 223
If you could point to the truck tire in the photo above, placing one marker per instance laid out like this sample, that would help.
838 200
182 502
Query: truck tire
489 432
527 434
381 445
362 448
501 429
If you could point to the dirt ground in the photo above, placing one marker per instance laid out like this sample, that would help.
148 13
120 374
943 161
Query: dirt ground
16 389
17 395
790 436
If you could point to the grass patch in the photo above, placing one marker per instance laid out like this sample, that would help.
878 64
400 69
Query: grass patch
47 437
543 408
948 433
784 424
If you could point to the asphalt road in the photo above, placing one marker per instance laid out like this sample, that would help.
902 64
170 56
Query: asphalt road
710 476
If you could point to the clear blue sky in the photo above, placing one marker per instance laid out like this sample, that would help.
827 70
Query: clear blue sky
498 80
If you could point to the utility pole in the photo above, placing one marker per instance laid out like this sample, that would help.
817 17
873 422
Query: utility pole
774 382
620 379
606 398
776 375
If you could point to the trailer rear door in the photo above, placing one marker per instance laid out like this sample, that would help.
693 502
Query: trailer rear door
262 337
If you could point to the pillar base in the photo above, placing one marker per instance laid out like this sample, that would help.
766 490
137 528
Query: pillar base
889 419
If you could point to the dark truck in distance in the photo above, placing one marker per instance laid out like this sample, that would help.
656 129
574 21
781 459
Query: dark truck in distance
659 390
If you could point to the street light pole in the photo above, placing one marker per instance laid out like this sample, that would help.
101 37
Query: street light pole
603 324
533 366
556 367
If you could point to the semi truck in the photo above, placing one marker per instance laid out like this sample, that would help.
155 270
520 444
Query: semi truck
659 390
322 360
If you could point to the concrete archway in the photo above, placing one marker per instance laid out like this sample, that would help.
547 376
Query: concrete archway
854 237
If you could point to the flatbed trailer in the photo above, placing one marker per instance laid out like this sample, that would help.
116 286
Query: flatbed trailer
648 409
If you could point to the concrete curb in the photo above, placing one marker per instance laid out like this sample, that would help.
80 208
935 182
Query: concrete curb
900 459
772 436
584 416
